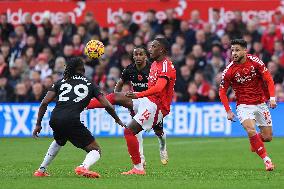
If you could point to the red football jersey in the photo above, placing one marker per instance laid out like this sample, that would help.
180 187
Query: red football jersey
164 69
247 81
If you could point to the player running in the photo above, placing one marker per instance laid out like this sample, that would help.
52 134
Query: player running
251 81
150 106
73 94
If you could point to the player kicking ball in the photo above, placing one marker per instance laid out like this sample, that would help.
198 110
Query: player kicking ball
137 76
151 105
73 94
252 82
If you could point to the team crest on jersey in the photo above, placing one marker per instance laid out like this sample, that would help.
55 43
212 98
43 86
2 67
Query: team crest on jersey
140 77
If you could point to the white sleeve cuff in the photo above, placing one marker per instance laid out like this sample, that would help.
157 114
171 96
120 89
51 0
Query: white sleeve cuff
273 98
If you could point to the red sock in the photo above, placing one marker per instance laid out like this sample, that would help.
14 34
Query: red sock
94 103
260 136
258 146
133 146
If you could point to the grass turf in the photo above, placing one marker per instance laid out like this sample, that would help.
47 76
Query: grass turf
194 163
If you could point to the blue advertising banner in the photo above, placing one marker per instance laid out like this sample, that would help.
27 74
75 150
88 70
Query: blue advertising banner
185 120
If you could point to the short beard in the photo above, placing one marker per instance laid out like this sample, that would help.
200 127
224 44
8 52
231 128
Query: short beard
239 60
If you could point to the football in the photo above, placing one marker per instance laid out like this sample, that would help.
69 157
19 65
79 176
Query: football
94 49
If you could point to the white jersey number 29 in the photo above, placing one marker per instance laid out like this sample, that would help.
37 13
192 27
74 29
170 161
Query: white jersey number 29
67 88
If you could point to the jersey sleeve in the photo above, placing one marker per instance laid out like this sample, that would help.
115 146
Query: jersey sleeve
261 68
96 91
125 75
224 85
166 71
54 87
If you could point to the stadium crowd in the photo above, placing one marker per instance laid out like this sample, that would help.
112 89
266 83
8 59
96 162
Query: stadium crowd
33 57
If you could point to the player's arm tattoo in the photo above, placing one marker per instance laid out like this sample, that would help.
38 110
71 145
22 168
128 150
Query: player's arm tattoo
43 106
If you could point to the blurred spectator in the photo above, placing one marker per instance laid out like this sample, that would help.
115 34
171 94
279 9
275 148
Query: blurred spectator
68 52
110 84
202 85
5 51
239 25
152 20
277 76
91 24
30 28
59 66
189 35
252 30
195 22
129 24
258 51
279 92
78 46
215 66
69 29
6 91
4 69
42 38
269 37
100 76
5 27
200 59
177 55
85 37
192 94
183 77
50 57
147 32
14 77
21 93
217 24
43 66
37 93
213 96
171 20
47 83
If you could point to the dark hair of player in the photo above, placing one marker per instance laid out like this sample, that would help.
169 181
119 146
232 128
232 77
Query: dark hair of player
71 67
164 43
143 48
240 42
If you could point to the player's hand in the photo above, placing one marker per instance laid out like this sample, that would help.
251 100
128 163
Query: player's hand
231 116
272 103
37 131
119 122
130 94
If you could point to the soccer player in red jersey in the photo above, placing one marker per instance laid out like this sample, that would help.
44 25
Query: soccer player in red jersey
151 105
252 83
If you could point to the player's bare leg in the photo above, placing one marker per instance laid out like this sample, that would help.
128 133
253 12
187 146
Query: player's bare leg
94 154
256 143
133 148
266 133
50 155
114 99
162 143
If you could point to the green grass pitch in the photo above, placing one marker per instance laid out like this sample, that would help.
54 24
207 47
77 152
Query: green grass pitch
194 163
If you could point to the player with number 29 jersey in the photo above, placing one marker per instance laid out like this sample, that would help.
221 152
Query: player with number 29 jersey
73 96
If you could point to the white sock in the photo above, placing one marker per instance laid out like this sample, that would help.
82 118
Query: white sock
266 159
91 158
141 150
50 155
139 166
162 142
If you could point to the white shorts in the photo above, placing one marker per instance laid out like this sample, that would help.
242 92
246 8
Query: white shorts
260 113
147 113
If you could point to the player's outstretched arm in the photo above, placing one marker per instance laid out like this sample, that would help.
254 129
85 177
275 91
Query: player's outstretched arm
270 83
109 108
42 109
118 86
160 85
